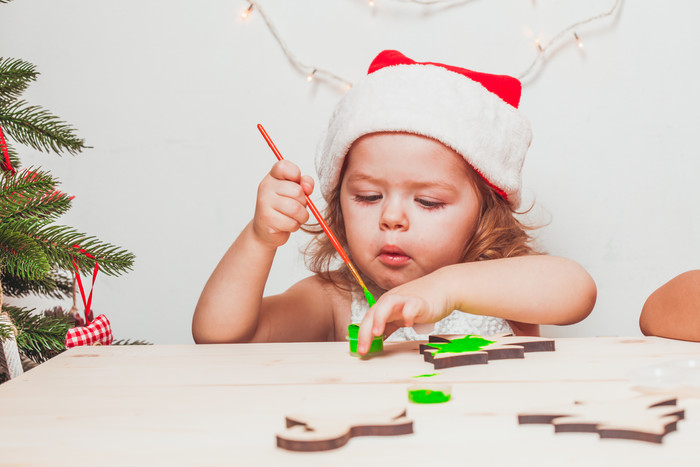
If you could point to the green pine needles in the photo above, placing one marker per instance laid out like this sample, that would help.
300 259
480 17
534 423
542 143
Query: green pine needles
36 254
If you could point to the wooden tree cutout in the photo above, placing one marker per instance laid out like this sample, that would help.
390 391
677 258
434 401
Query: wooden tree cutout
321 434
645 418
504 346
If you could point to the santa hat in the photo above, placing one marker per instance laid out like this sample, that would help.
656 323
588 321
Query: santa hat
475 114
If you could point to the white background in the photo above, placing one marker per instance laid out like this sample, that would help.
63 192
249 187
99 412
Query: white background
168 93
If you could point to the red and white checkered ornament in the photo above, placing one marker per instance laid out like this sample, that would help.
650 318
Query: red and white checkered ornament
97 332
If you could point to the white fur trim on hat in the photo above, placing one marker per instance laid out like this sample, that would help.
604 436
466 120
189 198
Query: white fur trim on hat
431 101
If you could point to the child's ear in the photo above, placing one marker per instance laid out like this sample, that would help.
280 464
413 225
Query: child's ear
673 310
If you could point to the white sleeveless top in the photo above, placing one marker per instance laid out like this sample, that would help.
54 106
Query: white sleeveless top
457 322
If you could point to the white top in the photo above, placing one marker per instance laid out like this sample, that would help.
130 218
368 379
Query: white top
457 322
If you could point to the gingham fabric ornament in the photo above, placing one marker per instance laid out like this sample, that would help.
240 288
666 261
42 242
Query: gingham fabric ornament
97 332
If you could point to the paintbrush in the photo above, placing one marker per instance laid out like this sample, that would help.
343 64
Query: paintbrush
324 226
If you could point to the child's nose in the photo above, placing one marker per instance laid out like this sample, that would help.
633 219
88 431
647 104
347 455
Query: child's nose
394 216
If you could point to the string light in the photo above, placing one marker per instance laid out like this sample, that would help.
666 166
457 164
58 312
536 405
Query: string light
310 71
561 34
247 12
313 72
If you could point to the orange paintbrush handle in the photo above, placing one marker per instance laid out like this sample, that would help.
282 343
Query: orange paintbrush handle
317 215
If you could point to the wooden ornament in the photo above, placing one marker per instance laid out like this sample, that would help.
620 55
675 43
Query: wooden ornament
504 346
321 434
646 418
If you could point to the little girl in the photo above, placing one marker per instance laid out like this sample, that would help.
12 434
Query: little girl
420 167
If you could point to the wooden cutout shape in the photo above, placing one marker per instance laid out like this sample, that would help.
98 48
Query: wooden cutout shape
321 434
646 418
505 346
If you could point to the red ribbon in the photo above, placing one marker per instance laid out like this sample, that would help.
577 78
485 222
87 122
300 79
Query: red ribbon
87 302
6 155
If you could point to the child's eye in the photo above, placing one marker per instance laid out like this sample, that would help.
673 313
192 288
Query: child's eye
367 198
430 204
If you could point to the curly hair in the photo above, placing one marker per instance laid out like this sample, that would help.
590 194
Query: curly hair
498 234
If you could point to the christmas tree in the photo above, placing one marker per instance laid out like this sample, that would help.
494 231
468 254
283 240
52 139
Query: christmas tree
37 255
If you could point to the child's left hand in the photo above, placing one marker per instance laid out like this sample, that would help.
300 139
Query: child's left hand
419 301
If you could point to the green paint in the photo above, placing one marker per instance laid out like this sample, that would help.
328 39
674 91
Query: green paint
428 396
377 344
468 343
429 375
369 297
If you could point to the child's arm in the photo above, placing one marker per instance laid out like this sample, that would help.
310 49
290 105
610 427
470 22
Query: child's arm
231 307
529 289
673 310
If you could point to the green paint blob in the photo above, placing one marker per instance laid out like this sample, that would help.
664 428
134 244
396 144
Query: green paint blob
370 298
428 396
427 375
377 344
468 343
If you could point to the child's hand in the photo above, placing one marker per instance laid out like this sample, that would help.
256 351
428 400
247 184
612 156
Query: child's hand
422 300
281 205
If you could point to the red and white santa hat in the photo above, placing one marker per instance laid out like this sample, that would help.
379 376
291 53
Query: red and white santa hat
475 114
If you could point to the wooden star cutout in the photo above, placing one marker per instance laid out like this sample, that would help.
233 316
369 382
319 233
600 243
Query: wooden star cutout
502 346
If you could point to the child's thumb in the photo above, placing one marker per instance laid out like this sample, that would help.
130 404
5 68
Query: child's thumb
307 184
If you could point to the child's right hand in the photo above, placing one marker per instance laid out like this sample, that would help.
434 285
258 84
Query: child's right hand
281 205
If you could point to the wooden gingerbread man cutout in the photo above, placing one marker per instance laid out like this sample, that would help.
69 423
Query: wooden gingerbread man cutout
646 418
503 346
321 434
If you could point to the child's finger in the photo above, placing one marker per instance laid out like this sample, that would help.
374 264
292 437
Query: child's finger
285 170
293 209
307 183
364 334
374 322
289 190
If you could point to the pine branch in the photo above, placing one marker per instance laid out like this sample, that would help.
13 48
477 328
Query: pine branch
15 76
33 126
40 337
21 255
53 285
31 194
60 244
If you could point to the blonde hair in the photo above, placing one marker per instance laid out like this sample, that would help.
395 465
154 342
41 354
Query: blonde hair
498 234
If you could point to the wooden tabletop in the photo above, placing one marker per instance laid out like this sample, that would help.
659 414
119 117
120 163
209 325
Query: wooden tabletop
224 405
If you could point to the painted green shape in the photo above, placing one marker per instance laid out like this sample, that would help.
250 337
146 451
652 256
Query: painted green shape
369 297
468 343
377 344
426 376
428 396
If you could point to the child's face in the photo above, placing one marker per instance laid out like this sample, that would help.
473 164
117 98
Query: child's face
410 206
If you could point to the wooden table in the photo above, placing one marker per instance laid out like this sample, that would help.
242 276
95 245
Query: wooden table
224 404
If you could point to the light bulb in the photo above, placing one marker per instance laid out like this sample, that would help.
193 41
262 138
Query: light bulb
246 13
578 41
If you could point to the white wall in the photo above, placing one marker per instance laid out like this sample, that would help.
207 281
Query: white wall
168 94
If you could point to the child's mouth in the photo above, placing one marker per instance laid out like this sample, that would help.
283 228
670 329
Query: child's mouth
393 256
